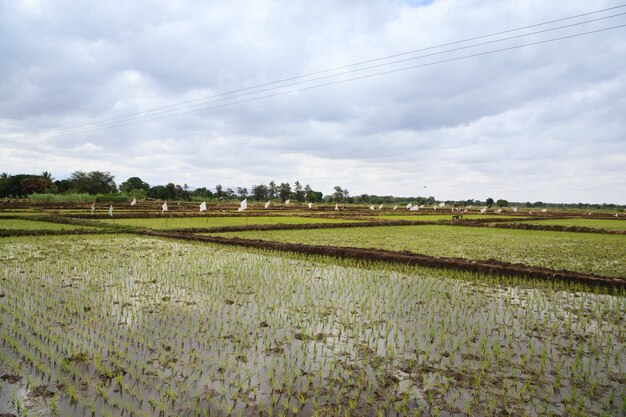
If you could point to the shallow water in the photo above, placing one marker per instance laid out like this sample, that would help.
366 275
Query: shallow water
163 328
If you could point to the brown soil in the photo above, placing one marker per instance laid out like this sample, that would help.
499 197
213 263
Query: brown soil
470 223
489 267
11 378
306 226
526 226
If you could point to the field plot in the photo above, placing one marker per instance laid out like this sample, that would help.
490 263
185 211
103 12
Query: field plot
133 326
608 224
36 225
581 252
205 222
4 213
447 216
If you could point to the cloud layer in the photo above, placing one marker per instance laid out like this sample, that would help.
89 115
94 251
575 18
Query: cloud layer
542 122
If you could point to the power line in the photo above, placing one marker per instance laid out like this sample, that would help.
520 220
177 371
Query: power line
140 117
121 124
203 100
180 109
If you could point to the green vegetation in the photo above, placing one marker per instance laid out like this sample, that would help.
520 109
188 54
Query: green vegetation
19 212
447 216
62 198
107 325
133 326
204 222
582 252
608 224
36 225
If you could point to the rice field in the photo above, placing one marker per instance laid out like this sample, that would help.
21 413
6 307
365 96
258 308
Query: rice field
447 217
582 252
5 213
36 225
206 222
123 325
608 224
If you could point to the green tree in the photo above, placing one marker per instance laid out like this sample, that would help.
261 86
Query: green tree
158 192
23 184
47 177
94 182
489 202
313 196
299 192
170 191
63 186
134 183
272 190
340 194
284 191
242 192
502 203
219 193
202 192
30 185
4 179
260 192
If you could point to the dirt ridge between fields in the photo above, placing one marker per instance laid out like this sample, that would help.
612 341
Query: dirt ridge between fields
466 223
404 257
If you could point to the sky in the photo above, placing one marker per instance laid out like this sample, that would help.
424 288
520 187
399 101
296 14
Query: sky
194 92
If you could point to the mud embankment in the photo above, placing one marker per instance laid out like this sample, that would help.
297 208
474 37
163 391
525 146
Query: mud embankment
488 267
382 223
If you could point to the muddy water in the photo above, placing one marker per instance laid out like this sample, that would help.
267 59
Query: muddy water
143 326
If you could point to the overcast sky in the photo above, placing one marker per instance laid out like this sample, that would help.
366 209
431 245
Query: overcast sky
541 122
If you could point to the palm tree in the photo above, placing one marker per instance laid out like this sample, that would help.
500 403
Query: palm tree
47 176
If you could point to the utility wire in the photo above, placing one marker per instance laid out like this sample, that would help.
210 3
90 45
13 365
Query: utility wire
494 51
139 118
204 100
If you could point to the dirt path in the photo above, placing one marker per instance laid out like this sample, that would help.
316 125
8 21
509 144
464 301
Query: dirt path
381 223
489 267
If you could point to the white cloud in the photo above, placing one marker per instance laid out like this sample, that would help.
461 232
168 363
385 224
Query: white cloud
537 123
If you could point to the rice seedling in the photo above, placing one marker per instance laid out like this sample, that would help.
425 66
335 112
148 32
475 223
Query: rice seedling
121 325
582 252
205 222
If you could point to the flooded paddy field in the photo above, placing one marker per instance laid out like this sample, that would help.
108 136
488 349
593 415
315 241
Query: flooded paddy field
608 224
19 224
599 254
206 222
126 325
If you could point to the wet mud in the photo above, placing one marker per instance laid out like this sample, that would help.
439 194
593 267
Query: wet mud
403 257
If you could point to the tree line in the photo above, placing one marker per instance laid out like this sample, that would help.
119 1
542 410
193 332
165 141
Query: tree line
102 183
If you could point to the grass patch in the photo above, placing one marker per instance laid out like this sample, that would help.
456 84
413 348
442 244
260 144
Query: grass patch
37 225
205 222
587 253
607 224
437 217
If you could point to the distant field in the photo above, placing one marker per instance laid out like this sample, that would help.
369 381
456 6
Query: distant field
595 223
581 252
35 225
448 216
198 222
18 213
